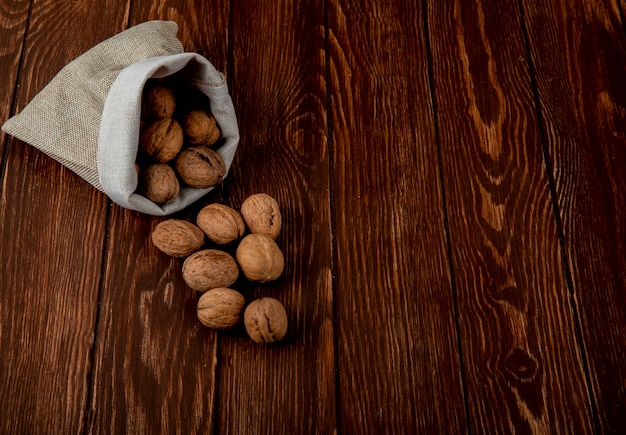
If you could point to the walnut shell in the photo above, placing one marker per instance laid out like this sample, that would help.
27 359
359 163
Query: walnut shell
162 140
260 258
158 102
262 214
158 183
200 167
200 128
265 320
177 238
220 223
209 269
221 308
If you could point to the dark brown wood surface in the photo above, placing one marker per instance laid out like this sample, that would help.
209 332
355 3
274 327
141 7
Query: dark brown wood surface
52 243
393 286
451 176
289 388
517 333
13 27
582 103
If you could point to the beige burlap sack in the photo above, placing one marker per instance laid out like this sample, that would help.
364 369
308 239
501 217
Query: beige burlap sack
87 117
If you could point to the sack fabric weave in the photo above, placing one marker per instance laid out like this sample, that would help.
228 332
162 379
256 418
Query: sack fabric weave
87 117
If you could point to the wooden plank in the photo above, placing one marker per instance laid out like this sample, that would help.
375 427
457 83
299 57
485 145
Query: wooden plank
52 234
579 58
155 363
13 19
202 27
399 369
278 88
523 369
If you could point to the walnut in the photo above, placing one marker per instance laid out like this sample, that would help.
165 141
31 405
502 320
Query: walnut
177 238
265 320
260 258
159 184
162 140
209 269
221 308
200 167
200 128
220 223
158 102
262 214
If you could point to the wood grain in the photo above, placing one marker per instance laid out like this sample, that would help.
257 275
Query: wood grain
579 56
53 226
202 26
155 363
279 91
518 337
399 369
13 19
154 366
452 180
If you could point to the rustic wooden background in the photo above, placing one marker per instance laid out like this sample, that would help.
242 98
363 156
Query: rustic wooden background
452 176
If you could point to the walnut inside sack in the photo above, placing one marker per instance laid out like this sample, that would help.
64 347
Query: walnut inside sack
158 102
200 167
158 183
162 140
176 126
200 128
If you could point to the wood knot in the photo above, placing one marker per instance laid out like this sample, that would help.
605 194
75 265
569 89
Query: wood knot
521 365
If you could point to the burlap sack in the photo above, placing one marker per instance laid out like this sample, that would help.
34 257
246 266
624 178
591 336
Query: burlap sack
87 117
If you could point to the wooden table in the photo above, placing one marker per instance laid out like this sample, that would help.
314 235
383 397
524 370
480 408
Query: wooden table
452 177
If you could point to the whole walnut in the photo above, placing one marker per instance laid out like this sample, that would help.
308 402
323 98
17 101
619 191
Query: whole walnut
209 269
260 258
162 140
158 183
158 102
265 320
262 214
220 223
200 128
221 308
200 167
177 238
